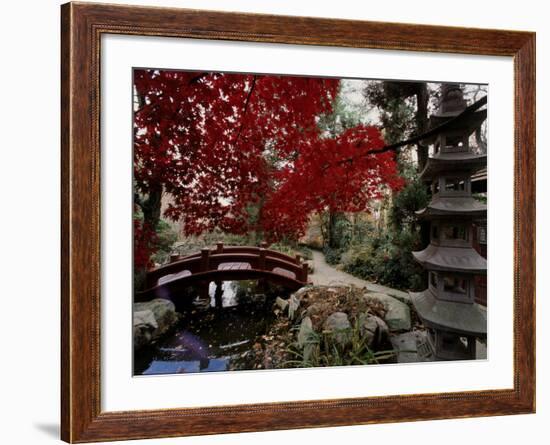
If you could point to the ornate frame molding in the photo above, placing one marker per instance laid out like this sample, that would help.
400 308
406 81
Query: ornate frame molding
82 26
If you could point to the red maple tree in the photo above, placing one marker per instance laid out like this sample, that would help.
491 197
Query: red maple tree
218 143
202 138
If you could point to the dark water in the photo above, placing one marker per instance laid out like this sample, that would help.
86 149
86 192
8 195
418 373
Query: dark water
212 337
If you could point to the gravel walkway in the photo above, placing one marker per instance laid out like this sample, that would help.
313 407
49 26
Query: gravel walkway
325 274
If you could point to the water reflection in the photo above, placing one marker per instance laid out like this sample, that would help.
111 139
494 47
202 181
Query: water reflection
180 367
211 336
224 290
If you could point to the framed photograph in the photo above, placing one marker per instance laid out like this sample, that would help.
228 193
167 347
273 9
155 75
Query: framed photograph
275 222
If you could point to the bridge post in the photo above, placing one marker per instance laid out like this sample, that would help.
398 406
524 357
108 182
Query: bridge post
298 258
261 261
304 272
264 244
219 247
204 288
218 295
262 283
174 257
204 267
205 259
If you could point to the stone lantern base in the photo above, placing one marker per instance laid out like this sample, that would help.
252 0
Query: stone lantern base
450 346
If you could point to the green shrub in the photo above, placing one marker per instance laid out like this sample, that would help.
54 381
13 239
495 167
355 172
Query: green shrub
332 256
387 259
166 237
414 196
292 249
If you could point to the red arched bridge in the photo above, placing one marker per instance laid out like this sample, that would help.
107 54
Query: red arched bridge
224 263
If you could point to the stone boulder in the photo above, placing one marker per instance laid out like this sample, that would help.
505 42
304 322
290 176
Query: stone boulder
398 314
302 291
281 304
293 305
374 329
403 297
316 309
306 339
144 326
153 319
305 332
338 323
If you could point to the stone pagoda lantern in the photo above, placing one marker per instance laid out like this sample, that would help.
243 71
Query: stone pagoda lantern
447 307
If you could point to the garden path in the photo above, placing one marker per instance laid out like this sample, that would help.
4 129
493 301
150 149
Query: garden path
325 274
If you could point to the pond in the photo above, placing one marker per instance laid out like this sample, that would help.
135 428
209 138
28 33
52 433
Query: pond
214 335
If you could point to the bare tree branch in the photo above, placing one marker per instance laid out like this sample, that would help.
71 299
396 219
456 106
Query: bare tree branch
245 109
415 139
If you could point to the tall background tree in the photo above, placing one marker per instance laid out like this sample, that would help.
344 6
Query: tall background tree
403 110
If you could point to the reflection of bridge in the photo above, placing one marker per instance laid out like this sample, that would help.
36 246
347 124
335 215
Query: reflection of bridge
223 263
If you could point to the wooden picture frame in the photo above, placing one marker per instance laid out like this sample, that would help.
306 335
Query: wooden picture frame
82 26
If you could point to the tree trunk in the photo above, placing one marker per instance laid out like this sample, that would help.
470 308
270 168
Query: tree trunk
422 98
151 207
333 236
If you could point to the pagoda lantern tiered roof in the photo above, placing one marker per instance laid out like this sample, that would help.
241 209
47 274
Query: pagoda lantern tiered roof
459 207
447 306
460 318
466 162
452 259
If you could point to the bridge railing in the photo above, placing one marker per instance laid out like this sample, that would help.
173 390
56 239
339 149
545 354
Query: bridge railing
220 248
260 258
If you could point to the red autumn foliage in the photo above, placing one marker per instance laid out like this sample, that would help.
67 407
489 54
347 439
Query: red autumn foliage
320 180
218 143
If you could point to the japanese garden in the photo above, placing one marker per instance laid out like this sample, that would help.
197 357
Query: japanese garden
293 222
